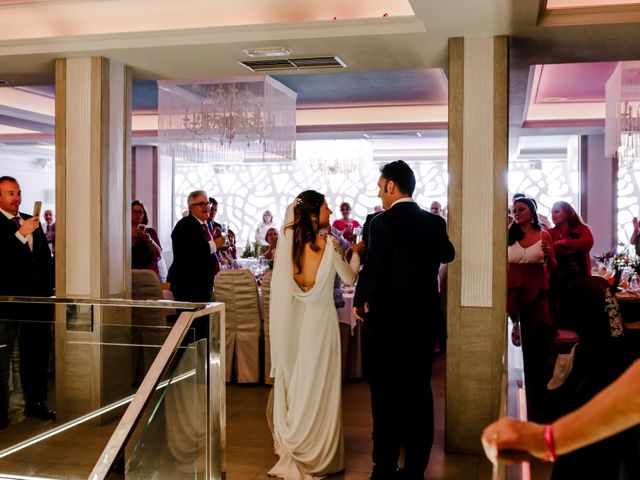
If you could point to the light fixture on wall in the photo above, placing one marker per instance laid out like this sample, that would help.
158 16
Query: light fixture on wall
333 157
239 120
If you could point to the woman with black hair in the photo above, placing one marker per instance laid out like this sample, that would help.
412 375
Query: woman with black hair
305 342
530 252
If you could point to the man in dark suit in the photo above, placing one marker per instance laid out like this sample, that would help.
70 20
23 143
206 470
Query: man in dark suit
194 253
397 295
28 270
212 214
50 229
365 234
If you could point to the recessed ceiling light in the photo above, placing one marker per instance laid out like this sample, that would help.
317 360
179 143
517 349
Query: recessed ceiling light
554 99
267 51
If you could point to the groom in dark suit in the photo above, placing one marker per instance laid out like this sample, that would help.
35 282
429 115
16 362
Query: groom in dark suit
397 296
27 270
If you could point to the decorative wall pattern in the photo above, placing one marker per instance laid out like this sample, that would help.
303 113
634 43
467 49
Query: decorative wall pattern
245 191
628 198
547 181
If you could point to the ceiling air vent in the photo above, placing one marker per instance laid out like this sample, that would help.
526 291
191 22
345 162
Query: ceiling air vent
293 63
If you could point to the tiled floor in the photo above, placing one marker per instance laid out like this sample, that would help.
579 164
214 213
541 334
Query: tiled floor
249 453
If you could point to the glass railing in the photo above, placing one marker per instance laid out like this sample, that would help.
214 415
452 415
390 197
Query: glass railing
136 385
512 403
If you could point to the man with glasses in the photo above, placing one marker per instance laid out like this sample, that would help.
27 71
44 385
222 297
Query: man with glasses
194 252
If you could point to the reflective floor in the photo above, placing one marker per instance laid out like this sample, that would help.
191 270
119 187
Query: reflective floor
249 452
250 449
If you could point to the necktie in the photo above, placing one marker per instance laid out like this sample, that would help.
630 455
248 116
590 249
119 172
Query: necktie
16 220
207 233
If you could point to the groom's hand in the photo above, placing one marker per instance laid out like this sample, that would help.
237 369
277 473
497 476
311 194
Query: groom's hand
359 312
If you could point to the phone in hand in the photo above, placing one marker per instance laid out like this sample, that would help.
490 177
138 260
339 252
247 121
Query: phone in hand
141 227
357 234
36 209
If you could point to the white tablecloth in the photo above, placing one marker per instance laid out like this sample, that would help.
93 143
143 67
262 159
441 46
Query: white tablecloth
350 340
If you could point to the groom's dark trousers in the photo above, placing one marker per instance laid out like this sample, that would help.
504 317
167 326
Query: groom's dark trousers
399 282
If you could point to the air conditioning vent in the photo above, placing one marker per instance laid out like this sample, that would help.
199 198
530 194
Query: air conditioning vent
293 63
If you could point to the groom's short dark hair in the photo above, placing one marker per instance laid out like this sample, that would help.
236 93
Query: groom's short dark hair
401 174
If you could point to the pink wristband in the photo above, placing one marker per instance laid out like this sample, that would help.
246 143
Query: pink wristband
552 456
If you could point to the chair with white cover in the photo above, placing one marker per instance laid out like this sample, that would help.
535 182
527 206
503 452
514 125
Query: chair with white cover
147 334
266 294
237 289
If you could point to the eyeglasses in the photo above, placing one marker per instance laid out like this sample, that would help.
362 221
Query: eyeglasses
200 204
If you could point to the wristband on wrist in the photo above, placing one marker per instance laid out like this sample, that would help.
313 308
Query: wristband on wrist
552 456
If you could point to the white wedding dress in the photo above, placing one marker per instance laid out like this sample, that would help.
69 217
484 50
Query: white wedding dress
305 353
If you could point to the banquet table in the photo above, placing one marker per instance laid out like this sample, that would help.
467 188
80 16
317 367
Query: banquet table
350 340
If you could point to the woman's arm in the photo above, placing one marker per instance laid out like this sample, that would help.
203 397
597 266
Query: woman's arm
548 250
348 272
613 410
581 244
154 242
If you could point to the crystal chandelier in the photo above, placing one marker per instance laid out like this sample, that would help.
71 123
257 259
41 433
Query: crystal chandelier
250 119
225 113
333 157
629 149
622 120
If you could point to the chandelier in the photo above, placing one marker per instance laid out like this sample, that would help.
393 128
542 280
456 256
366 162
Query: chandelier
333 157
227 113
622 121
251 119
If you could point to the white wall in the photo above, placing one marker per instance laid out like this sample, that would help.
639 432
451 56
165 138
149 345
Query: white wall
600 196
36 183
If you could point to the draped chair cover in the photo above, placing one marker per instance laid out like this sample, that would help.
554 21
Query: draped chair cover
239 292
266 294
145 285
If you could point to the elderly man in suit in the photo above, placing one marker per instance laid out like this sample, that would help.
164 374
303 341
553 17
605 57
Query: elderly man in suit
28 270
397 295
194 252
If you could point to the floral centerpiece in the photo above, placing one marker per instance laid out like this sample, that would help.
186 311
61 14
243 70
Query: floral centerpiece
614 263
251 250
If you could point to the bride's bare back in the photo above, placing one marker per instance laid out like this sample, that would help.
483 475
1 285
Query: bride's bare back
310 260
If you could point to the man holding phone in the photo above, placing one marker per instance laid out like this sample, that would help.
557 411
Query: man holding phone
28 271
194 252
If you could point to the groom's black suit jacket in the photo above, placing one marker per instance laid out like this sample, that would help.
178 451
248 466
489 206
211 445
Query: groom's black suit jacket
399 281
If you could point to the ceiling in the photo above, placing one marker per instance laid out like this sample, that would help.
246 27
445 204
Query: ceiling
396 52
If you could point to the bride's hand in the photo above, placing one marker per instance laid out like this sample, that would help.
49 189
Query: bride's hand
358 247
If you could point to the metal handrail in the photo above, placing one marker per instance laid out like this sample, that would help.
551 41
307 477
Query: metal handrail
129 421
111 302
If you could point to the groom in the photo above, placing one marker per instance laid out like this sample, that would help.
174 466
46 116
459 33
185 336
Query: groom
397 296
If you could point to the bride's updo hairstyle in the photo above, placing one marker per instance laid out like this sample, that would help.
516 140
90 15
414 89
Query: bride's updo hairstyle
305 225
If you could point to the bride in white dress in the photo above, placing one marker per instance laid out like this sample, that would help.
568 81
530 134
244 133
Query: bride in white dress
305 343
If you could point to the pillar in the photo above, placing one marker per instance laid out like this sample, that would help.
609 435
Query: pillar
93 111
478 155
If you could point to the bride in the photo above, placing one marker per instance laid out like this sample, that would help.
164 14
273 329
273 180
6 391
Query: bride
305 343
